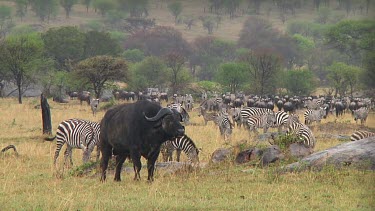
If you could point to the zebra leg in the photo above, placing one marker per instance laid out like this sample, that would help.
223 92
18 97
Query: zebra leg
68 153
57 152
120 159
137 165
178 152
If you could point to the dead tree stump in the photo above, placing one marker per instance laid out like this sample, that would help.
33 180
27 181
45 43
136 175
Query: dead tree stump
46 115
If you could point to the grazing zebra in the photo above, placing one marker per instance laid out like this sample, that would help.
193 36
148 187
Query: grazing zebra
207 116
264 121
246 112
303 133
361 134
225 125
282 119
94 104
314 104
361 114
180 144
314 115
77 133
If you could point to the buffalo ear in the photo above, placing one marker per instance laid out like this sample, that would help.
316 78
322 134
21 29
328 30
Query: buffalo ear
157 124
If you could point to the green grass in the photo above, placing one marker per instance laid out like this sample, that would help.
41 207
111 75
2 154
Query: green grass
31 182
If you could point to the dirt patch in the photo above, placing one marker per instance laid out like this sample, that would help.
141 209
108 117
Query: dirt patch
340 128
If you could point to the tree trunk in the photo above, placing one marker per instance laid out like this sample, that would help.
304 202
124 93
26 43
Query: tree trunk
19 95
46 115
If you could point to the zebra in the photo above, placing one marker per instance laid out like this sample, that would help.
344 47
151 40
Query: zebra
264 121
314 104
225 125
282 119
94 104
361 114
361 134
77 133
207 116
246 112
314 115
181 110
183 143
303 133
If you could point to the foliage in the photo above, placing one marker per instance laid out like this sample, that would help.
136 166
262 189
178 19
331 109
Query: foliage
87 3
353 38
100 43
21 8
177 74
158 41
342 77
308 29
210 86
133 55
258 34
324 14
264 71
44 9
299 82
151 72
232 75
22 29
68 6
305 47
175 8
368 76
100 70
20 57
104 6
136 8
65 44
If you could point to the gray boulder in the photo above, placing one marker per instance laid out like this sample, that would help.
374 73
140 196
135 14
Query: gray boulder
266 156
358 154
299 150
221 155
271 154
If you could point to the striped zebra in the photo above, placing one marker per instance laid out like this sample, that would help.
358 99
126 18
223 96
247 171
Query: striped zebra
246 112
181 110
361 134
207 116
180 144
264 121
283 119
314 104
303 133
361 114
314 115
225 125
76 133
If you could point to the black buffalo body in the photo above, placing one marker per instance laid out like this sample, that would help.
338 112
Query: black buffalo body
135 130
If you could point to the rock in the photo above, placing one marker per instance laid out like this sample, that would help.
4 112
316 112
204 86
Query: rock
269 135
298 150
220 155
271 154
358 154
334 136
172 167
243 157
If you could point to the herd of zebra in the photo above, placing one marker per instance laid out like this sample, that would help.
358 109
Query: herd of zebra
84 134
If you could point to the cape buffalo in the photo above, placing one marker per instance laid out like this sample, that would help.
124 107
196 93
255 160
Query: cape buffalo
135 130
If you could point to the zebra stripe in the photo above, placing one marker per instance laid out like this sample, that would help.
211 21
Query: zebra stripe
264 121
225 125
361 114
303 133
246 112
361 134
281 120
184 144
314 115
77 133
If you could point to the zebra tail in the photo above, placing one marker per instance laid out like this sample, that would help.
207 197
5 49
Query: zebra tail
49 139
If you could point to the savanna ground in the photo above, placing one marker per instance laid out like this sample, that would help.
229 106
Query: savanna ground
29 181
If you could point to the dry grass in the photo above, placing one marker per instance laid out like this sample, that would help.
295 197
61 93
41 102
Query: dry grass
29 181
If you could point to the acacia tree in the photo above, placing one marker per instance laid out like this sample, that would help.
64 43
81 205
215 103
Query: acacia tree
98 71
151 72
175 8
20 56
136 8
100 43
44 8
21 8
233 75
264 69
299 82
68 6
343 77
87 4
175 62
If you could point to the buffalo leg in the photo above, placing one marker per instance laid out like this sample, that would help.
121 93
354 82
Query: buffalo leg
120 159
106 150
136 158
151 165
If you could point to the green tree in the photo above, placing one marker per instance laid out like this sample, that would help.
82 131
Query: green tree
306 46
44 9
232 75
99 71
87 4
136 8
299 82
64 44
368 76
5 19
177 74
20 56
21 8
151 72
133 55
323 15
100 43
104 6
68 6
175 8
343 77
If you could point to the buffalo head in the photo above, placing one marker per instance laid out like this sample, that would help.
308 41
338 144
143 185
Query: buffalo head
169 120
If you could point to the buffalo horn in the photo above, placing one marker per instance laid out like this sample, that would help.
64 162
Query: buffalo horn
159 115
